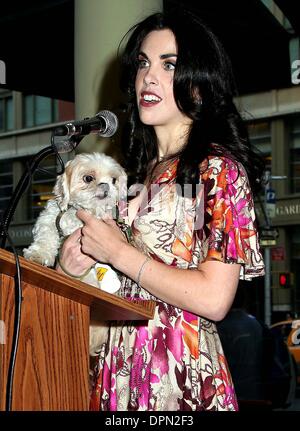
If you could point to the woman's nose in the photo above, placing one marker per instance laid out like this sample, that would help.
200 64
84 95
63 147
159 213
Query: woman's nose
150 76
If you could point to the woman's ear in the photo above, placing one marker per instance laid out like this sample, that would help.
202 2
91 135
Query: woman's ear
62 188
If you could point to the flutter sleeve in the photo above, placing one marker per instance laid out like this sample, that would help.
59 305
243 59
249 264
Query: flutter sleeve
229 232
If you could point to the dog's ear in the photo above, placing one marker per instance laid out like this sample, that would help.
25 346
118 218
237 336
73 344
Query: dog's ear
61 188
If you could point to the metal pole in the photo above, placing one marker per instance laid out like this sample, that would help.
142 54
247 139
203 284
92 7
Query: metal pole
267 256
267 302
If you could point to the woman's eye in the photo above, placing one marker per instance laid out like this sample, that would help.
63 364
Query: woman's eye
142 63
88 178
168 65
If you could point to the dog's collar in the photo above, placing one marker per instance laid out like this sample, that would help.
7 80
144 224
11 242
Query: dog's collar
62 212
57 222
125 228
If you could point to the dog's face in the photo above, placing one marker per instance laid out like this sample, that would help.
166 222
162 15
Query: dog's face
90 181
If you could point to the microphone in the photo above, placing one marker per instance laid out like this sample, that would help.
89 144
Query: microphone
105 124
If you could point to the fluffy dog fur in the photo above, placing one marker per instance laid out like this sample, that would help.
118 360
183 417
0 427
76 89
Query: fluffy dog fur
94 182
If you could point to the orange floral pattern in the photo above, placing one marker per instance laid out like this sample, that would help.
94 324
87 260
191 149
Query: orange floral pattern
176 361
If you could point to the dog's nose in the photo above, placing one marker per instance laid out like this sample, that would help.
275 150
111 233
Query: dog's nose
103 189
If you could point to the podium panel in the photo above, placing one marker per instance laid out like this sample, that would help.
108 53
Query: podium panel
51 370
52 363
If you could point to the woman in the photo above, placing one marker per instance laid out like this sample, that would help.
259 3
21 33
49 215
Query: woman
188 251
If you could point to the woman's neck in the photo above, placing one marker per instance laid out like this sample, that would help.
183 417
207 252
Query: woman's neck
171 141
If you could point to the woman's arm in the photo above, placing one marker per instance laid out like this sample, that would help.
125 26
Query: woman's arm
208 291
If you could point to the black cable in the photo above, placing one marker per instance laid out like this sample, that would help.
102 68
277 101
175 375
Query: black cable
59 159
16 332
20 189
18 192
45 171
51 175
55 151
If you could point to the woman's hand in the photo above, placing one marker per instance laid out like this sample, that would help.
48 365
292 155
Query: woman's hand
71 256
101 239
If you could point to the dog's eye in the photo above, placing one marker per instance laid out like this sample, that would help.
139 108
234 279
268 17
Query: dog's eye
114 180
88 178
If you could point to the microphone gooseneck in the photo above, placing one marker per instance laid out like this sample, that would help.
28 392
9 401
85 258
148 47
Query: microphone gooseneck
66 137
105 124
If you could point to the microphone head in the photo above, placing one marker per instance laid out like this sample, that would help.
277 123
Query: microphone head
111 122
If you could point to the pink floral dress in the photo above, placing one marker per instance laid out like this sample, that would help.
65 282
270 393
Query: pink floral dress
176 361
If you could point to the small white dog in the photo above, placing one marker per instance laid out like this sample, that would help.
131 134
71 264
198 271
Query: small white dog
94 182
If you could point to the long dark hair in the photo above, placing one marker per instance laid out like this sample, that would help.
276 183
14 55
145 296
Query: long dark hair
202 68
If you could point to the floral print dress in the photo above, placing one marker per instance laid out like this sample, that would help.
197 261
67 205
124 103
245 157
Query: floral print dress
176 361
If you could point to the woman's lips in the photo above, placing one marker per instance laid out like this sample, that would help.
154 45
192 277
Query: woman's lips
149 99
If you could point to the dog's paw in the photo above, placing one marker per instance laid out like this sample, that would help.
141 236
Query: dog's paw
43 258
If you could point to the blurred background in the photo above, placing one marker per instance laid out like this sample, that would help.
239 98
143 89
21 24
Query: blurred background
58 62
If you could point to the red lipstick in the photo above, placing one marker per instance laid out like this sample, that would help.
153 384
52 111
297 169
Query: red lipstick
149 99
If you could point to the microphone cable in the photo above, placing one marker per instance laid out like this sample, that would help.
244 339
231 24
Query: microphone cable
16 331
18 300
4 226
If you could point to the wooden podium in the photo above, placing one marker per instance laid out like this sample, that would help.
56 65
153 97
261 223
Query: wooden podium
52 364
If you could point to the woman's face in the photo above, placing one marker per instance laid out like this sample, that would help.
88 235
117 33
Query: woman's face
154 81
